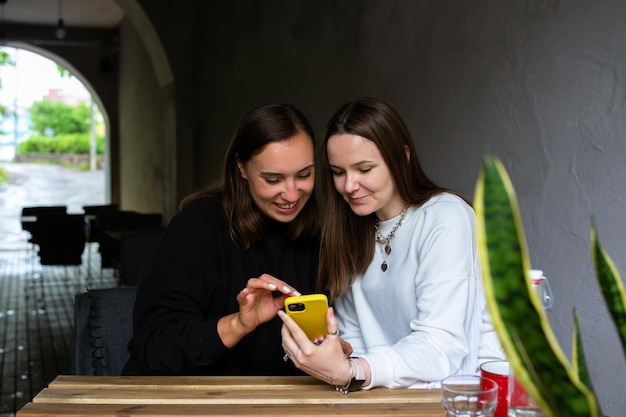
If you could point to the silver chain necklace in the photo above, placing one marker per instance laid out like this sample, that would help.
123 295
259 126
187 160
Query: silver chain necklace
385 240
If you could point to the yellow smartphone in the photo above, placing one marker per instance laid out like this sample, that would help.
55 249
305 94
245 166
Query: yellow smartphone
309 311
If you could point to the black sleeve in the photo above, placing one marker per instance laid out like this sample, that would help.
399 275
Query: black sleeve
181 297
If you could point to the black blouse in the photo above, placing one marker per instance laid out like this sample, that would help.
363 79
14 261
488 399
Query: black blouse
193 281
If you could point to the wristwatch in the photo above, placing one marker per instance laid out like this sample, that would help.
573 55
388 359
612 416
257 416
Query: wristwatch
359 376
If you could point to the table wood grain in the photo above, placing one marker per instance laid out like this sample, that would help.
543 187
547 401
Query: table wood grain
70 395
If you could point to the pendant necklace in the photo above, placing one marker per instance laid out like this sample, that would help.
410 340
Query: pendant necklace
385 240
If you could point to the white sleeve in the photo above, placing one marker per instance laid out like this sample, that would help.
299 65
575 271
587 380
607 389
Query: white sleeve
490 348
349 328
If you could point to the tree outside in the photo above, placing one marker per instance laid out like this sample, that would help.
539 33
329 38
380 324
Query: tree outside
59 117
59 128
5 59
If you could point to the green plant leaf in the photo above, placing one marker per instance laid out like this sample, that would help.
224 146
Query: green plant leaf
579 362
523 329
611 285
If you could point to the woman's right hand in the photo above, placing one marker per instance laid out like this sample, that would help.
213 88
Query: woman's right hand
326 360
257 305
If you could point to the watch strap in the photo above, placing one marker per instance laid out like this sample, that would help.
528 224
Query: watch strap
359 376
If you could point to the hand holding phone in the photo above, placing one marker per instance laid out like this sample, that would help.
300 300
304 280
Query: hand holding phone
309 311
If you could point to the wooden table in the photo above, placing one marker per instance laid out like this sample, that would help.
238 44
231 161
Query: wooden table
222 396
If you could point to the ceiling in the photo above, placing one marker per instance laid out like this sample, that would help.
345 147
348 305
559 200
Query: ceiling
76 13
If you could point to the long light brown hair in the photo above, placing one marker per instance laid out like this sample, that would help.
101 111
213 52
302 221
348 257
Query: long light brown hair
265 124
348 241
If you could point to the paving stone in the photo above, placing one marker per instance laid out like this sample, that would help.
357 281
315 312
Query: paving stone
37 302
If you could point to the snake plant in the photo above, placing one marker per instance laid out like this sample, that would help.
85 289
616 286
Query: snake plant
561 388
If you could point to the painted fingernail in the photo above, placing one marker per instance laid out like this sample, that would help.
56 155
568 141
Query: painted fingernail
272 286
286 289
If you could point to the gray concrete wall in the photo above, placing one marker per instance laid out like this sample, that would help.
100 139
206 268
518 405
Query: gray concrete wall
141 128
541 84
538 82
175 26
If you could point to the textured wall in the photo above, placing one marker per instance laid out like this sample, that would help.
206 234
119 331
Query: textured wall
541 83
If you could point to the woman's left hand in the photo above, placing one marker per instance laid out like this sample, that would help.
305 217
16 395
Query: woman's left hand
325 361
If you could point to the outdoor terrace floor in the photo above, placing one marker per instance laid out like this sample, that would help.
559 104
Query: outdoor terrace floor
37 319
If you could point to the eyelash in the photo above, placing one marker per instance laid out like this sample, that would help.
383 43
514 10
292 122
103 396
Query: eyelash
277 180
362 170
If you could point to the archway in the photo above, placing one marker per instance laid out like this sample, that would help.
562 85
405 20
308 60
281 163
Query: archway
93 98
93 54
160 64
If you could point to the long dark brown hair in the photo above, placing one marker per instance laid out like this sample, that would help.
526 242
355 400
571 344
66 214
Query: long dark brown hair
262 125
348 242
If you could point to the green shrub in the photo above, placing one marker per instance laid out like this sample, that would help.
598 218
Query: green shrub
74 143
36 144
4 175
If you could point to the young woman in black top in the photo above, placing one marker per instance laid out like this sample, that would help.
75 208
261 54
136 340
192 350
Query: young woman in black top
207 305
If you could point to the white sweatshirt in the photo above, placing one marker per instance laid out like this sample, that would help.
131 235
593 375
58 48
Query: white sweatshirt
422 319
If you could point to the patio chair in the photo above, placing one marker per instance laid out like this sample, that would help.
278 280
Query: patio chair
102 329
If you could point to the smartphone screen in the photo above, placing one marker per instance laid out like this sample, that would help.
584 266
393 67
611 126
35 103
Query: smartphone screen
309 311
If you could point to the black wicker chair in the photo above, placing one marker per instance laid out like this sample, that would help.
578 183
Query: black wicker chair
102 329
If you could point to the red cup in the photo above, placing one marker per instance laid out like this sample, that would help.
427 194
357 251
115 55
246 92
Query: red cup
499 372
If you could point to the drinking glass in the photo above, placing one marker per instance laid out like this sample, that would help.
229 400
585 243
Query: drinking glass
469 396
520 403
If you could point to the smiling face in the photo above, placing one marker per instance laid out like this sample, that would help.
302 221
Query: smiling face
362 177
281 177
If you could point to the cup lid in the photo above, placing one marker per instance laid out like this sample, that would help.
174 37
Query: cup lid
535 275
